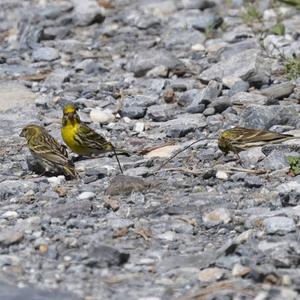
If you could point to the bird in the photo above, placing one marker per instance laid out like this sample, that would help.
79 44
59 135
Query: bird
238 139
82 139
50 155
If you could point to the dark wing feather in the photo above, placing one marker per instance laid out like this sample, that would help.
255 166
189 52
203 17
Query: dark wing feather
91 139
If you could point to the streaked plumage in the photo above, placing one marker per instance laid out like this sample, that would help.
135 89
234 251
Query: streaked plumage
238 139
80 138
52 156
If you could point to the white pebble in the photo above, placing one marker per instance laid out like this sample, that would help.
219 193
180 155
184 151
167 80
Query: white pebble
222 175
10 214
54 181
127 120
198 47
139 127
168 236
102 116
86 195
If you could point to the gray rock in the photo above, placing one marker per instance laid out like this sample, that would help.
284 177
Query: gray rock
70 209
276 160
9 188
87 13
105 256
206 21
52 33
289 199
216 217
239 86
10 235
123 184
279 91
144 61
14 94
45 54
233 49
249 65
209 111
133 112
161 112
189 96
279 225
221 104
9 292
184 124
253 182
208 94
266 116
196 4
251 156
181 38
248 98
135 107
56 79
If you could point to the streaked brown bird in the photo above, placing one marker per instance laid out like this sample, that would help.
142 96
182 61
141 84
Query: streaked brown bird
50 155
238 139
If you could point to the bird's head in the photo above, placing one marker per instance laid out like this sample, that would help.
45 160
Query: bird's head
29 131
70 113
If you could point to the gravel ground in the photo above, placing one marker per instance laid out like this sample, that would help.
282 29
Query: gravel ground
151 76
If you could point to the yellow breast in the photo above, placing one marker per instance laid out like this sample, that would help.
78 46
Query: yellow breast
68 133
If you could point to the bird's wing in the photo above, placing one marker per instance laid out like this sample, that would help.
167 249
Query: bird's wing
247 135
47 147
90 137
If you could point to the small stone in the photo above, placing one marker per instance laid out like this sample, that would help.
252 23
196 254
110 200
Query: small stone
45 54
14 95
168 236
102 116
279 91
55 181
109 202
198 47
139 127
166 151
280 225
87 13
86 196
222 175
251 156
239 270
244 236
253 182
286 280
217 216
123 184
211 274
9 236
144 61
56 79
230 81
248 65
158 71
43 248
169 95
104 256
10 215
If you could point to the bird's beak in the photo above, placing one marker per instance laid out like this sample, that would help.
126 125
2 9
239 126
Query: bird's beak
22 134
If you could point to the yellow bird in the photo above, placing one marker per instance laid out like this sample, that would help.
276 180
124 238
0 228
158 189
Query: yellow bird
80 138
